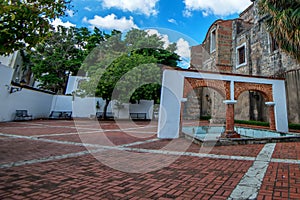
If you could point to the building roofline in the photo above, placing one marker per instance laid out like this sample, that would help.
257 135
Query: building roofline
222 73
246 10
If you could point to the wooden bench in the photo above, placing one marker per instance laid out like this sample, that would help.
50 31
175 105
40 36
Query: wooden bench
22 115
138 115
60 115
109 115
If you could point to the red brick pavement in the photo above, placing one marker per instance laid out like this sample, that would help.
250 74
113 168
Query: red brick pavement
85 177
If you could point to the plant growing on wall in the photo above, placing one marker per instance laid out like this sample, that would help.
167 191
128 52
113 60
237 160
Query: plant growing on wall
283 22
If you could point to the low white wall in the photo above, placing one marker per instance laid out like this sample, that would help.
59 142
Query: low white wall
40 104
144 106
37 103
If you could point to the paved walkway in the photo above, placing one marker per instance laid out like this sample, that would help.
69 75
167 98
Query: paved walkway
85 159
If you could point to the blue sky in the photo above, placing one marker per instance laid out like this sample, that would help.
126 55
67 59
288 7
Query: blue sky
182 21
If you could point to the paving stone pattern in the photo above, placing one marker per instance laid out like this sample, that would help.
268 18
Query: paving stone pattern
46 159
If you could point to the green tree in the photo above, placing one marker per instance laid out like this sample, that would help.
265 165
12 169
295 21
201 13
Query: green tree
126 70
283 22
60 55
26 23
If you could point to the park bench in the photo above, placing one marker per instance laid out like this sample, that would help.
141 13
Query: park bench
22 115
138 115
60 115
109 115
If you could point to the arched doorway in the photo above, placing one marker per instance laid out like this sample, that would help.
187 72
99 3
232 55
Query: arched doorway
178 83
251 106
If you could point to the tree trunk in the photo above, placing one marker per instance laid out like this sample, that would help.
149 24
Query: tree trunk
105 108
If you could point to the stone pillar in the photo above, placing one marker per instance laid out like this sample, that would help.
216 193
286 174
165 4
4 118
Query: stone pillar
229 128
271 115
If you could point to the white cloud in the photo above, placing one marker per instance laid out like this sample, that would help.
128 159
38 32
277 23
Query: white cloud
87 8
146 7
183 48
57 22
111 22
216 7
173 21
70 13
187 13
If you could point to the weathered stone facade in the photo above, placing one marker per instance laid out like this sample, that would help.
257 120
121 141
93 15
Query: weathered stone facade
244 46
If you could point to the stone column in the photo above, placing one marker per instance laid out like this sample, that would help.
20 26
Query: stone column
271 115
229 129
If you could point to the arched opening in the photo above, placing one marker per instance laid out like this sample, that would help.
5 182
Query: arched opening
204 103
251 106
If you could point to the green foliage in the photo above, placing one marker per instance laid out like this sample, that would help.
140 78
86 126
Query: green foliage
283 22
61 54
250 122
294 126
26 23
205 117
127 70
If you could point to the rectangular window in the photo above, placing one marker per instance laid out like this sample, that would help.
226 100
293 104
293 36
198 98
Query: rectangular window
213 40
241 52
241 55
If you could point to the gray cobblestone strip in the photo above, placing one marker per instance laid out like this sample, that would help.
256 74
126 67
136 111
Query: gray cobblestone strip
250 184
46 159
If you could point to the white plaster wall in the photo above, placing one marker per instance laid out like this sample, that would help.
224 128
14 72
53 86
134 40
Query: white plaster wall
145 106
86 107
37 103
73 83
281 116
61 103
5 106
171 97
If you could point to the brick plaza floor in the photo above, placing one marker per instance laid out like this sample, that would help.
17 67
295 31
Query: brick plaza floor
86 159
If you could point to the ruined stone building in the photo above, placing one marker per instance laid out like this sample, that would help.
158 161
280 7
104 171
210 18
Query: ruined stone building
243 46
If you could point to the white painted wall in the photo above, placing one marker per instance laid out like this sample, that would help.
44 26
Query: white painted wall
72 85
40 104
144 106
169 111
37 103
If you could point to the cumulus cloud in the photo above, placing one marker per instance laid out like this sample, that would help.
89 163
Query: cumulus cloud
173 21
111 22
183 47
58 22
216 7
146 7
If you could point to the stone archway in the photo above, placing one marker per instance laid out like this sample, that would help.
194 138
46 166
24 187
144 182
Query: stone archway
177 83
265 89
225 89
216 92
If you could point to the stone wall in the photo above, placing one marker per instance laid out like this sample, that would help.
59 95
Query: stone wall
261 55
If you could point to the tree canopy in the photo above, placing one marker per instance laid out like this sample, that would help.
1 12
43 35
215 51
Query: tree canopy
62 54
26 23
283 22
127 69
